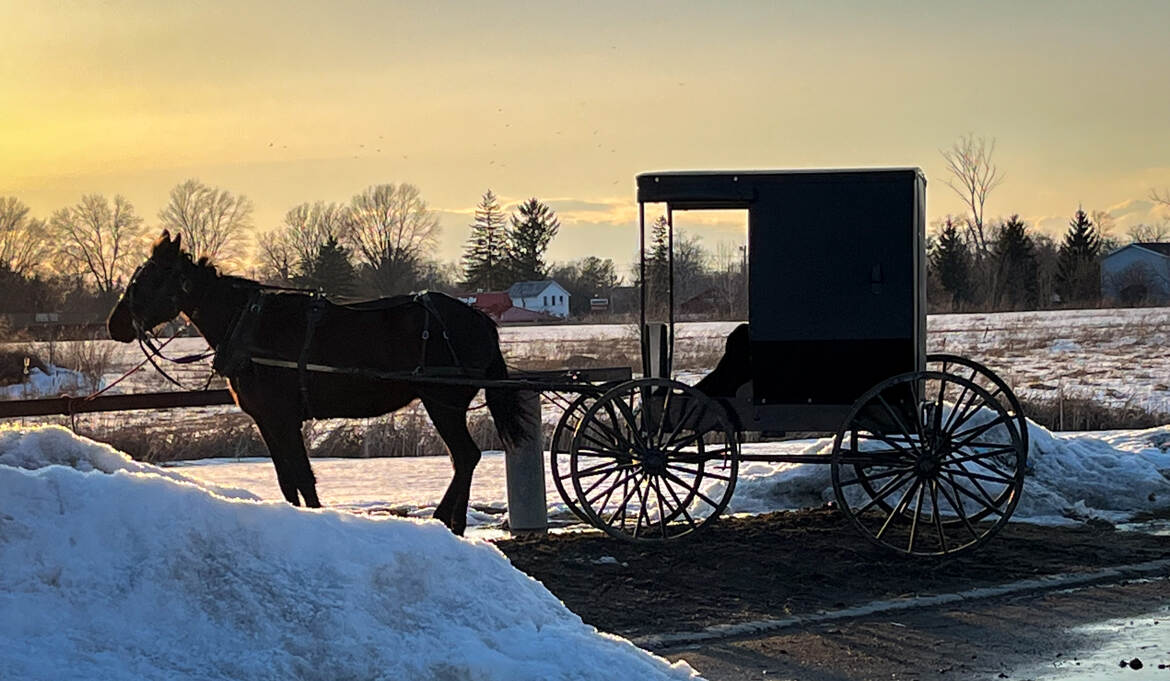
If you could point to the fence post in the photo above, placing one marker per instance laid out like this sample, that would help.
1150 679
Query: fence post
524 470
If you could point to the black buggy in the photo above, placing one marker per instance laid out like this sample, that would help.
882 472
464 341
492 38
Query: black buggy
930 450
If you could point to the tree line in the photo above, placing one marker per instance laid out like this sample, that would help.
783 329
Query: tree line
980 264
379 243
382 242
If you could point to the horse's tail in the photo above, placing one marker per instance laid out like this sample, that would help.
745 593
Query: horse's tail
514 420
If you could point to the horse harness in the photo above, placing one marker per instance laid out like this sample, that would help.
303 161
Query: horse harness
237 350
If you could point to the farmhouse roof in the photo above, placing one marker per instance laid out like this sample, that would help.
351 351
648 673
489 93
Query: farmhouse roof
528 289
1159 247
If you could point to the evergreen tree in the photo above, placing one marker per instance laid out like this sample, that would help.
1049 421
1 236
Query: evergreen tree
1013 254
951 260
657 259
485 257
1078 276
330 270
533 227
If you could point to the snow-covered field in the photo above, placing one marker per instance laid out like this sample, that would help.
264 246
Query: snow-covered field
117 570
1117 355
1072 476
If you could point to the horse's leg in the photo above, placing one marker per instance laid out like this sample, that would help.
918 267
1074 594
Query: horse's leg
451 423
293 471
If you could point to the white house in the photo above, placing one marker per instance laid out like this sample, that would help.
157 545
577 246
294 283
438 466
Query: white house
540 296
1137 273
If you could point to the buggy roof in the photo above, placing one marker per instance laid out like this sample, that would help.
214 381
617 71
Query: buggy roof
713 189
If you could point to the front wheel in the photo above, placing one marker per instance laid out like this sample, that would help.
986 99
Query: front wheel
653 459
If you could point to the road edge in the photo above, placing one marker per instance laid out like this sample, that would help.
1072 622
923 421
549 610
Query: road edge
718 632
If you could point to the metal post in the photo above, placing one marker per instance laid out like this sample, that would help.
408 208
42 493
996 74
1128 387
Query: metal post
524 470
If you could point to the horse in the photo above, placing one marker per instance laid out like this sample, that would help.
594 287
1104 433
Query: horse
292 355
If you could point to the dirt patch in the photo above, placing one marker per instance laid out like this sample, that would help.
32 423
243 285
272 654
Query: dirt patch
780 564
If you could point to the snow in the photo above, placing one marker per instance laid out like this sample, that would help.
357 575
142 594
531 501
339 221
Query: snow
1071 476
1109 476
115 570
49 383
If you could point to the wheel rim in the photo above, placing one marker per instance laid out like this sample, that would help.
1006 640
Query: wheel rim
562 441
653 459
928 463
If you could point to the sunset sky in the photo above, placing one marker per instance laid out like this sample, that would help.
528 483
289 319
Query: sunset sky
288 102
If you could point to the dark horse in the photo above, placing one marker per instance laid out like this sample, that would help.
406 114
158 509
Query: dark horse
276 348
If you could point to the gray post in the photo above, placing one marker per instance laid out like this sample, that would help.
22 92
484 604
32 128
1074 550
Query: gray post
524 469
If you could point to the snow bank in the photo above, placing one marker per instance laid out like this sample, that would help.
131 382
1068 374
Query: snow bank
1110 476
54 381
33 448
115 571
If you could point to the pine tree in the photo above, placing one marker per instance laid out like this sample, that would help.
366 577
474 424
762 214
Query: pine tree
1078 276
657 259
485 257
1013 254
533 227
951 260
330 270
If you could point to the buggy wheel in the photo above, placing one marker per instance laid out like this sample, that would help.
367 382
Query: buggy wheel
928 463
985 378
653 459
562 442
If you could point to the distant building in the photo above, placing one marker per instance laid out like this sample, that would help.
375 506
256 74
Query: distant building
1137 273
545 296
494 303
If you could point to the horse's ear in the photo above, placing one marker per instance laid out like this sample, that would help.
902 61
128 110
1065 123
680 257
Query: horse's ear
166 235
178 239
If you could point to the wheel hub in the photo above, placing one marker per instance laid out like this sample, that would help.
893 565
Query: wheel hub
654 461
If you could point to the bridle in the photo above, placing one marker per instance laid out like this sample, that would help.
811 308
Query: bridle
147 341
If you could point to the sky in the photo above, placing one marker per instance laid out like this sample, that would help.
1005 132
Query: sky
287 102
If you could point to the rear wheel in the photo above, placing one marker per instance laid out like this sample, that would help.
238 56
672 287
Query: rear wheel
653 459
928 463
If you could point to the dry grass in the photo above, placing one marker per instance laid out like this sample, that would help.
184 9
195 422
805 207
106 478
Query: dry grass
1083 414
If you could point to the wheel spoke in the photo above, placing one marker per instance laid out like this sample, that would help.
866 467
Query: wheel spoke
607 493
643 511
884 492
875 476
985 501
957 505
629 493
975 432
682 507
902 503
599 469
938 527
670 441
897 419
978 476
694 490
914 520
635 432
883 438
997 451
699 472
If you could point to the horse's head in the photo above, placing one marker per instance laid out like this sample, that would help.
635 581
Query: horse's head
153 294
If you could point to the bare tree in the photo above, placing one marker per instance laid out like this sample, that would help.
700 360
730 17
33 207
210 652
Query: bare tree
391 230
99 239
284 251
973 176
1144 233
1162 197
24 241
211 220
